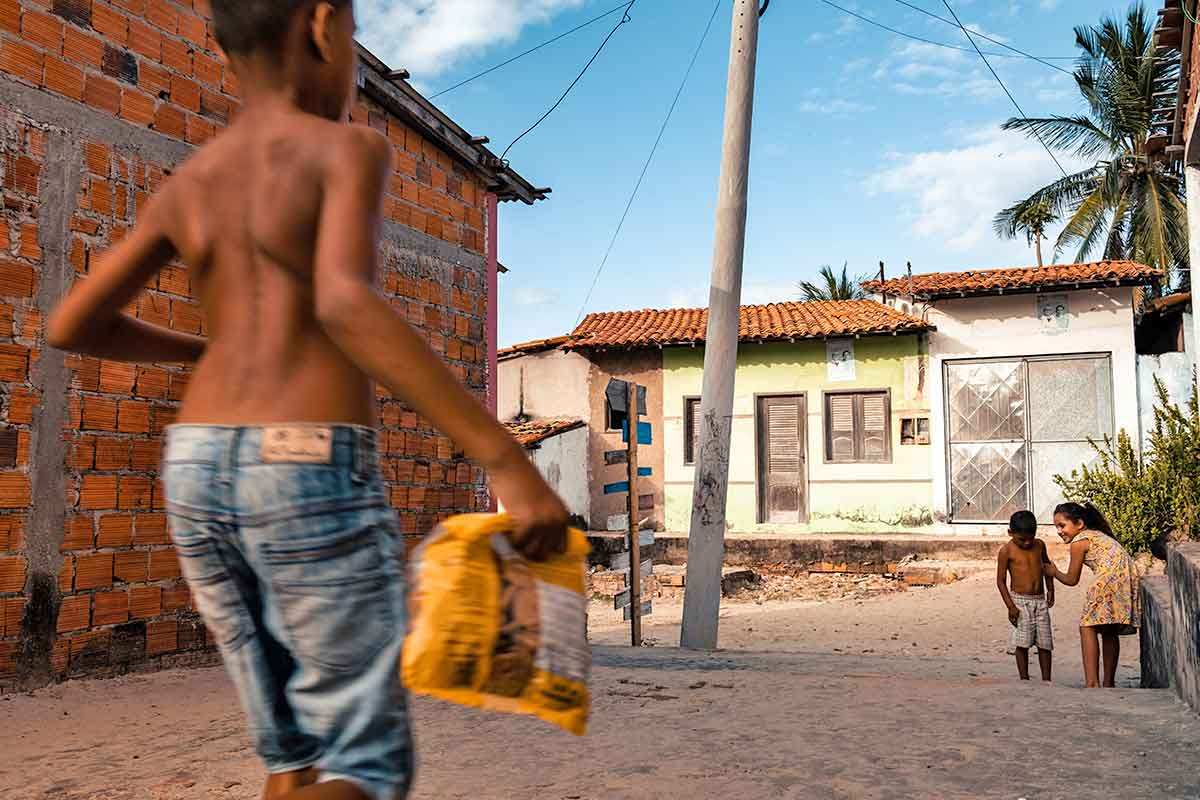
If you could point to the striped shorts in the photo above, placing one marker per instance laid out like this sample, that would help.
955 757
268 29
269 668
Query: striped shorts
1033 626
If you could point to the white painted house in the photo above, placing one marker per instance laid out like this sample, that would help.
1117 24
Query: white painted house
559 450
1025 365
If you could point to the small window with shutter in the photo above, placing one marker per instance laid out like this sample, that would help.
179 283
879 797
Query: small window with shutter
857 427
691 429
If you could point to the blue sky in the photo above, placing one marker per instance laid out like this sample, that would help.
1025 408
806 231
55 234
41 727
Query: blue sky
867 146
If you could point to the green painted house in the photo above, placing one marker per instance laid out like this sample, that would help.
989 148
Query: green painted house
830 420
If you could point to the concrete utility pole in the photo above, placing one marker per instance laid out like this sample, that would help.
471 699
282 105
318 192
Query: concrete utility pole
706 542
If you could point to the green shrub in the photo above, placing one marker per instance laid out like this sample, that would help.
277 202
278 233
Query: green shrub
1147 497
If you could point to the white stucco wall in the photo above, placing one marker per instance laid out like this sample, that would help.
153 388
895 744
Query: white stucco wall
1100 321
554 385
1175 370
563 462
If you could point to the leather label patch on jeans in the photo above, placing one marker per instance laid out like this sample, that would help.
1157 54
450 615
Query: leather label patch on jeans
297 444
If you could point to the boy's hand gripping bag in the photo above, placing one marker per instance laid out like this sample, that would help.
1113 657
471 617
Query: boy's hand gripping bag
491 630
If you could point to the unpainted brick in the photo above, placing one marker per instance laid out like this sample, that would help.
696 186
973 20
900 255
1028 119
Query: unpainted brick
74 613
115 530
90 650
145 601
111 608
79 534
162 637
131 566
93 571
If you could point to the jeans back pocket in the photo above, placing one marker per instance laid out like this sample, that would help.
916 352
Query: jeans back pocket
336 594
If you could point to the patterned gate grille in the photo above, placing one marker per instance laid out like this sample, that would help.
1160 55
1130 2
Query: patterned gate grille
988 459
1014 425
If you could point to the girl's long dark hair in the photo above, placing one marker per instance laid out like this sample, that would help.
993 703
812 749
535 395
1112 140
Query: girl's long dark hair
1087 514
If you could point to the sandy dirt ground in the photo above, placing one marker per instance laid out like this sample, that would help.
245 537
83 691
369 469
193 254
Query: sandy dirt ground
907 695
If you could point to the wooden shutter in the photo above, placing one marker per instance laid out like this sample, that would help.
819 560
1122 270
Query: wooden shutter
874 431
840 427
783 436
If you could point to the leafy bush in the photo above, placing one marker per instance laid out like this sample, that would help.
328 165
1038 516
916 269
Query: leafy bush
1153 496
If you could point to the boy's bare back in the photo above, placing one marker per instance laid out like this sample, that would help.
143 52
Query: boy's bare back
278 220
246 215
1024 567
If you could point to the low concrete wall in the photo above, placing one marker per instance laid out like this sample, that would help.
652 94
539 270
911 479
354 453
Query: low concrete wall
1183 571
870 553
1157 633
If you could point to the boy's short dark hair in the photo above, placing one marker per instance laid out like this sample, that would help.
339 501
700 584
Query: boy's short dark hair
1023 522
246 26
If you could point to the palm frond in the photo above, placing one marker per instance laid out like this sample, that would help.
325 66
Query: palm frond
832 286
1079 135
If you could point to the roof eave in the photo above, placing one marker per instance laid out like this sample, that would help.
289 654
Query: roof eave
400 98
912 331
1072 286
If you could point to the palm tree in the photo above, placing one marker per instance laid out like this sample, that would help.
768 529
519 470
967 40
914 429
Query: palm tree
1130 203
832 286
1029 220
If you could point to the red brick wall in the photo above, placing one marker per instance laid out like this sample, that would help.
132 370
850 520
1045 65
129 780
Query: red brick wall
116 599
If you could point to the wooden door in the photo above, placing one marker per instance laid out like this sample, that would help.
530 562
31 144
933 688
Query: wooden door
782 468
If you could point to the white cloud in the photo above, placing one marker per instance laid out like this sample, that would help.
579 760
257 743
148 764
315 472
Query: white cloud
430 36
533 296
916 68
951 196
835 107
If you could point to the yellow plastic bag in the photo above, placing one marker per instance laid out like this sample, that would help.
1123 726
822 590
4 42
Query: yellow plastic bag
491 630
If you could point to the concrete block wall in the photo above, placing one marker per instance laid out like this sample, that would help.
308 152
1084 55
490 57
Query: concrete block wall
1183 573
1157 633
99 101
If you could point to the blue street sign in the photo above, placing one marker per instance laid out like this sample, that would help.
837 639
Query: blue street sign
645 472
644 433
616 488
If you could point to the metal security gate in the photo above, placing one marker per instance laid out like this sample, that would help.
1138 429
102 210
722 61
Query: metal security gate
1013 424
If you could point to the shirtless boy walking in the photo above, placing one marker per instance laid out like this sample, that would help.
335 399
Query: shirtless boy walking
277 508
1020 579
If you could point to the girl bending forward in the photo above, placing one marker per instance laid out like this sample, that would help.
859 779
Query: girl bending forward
1112 608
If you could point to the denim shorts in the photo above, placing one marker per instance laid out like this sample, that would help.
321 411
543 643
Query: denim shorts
291 552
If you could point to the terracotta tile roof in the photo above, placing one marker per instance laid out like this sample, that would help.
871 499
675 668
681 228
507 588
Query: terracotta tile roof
769 323
997 281
536 431
536 346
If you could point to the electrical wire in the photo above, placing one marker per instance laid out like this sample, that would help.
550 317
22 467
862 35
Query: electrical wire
1018 51
646 167
531 50
1012 99
933 42
624 19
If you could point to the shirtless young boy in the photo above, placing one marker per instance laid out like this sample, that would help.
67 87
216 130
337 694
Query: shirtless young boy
1020 561
276 505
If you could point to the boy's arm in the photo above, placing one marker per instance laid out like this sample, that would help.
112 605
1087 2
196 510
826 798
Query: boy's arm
1002 584
366 328
90 319
1047 579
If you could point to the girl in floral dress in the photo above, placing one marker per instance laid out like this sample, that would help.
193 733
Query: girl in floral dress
1112 608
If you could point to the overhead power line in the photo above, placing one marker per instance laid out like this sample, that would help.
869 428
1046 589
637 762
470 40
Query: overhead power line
936 43
1012 99
624 19
530 51
646 167
1040 59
